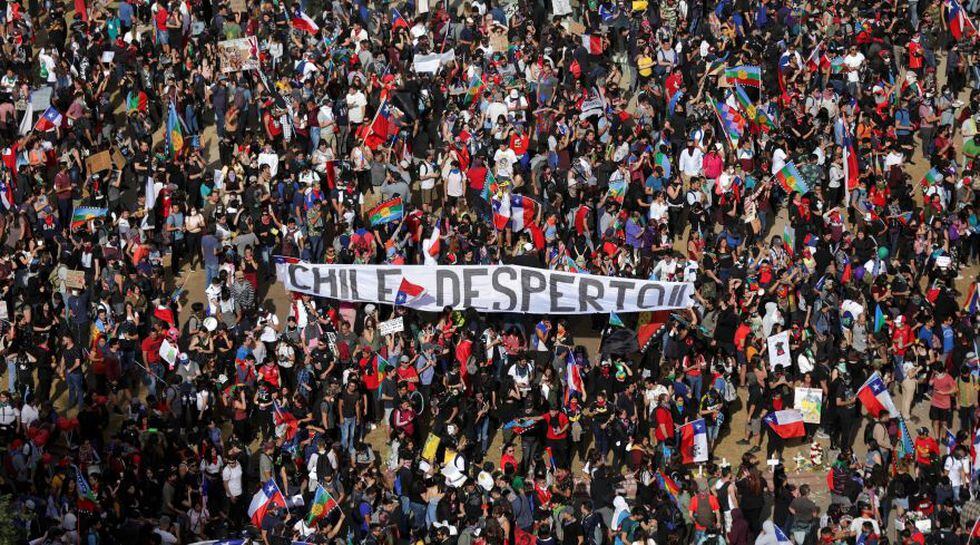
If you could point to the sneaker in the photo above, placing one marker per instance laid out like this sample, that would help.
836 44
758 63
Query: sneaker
754 449
822 435
742 442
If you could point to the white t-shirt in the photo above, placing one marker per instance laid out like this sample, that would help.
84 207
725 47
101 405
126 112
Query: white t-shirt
956 468
268 331
454 183
355 107
853 63
232 476
504 161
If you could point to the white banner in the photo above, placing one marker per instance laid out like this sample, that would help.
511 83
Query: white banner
433 62
395 325
486 288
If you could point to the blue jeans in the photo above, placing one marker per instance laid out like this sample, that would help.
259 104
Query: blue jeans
210 273
483 435
315 247
76 389
11 375
695 385
348 429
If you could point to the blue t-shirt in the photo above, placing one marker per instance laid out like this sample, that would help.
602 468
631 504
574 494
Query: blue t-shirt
902 118
948 337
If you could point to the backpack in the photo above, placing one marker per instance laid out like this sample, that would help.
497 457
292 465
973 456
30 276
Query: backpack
869 431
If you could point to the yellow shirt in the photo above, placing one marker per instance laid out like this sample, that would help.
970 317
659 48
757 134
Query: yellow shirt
644 65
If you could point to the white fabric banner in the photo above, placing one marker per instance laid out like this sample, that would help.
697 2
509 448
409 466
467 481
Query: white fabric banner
486 288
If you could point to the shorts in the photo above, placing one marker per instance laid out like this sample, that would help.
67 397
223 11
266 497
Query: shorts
754 426
940 415
163 37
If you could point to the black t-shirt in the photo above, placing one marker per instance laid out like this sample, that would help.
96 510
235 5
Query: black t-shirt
350 400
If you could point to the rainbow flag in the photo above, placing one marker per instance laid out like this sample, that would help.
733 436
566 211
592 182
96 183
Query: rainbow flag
387 212
669 486
791 180
755 115
83 214
972 300
731 120
931 178
617 191
745 75
323 503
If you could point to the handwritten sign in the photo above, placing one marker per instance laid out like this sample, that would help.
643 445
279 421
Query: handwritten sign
808 401
779 355
75 280
390 327
98 162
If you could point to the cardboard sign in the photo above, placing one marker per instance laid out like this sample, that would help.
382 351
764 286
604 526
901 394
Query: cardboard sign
118 159
98 162
561 7
808 401
574 27
239 54
392 326
237 6
75 280
498 40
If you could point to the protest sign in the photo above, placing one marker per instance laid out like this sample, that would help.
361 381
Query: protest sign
390 327
779 355
808 401
486 288
239 54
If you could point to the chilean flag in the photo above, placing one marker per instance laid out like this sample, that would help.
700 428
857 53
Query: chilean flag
875 397
975 451
381 128
304 22
267 496
407 291
959 24
851 172
787 423
781 537
694 442
573 379
49 120
397 20
592 43
523 210
501 211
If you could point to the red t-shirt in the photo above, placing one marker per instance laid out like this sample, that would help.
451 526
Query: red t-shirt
662 416
151 346
407 373
161 19
561 421
477 177
519 143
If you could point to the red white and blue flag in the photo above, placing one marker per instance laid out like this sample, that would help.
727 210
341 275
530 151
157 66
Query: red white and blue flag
397 20
381 128
267 496
575 386
960 25
523 210
972 300
694 442
408 291
875 397
787 423
851 173
6 195
781 537
49 120
304 22
975 451
501 211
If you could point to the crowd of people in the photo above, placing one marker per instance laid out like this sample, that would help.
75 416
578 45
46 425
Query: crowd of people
809 166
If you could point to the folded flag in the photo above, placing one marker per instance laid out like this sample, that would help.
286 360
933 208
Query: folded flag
268 496
323 503
875 397
745 75
694 442
387 212
304 22
49 120
408 291
787 423
84 214
791 180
